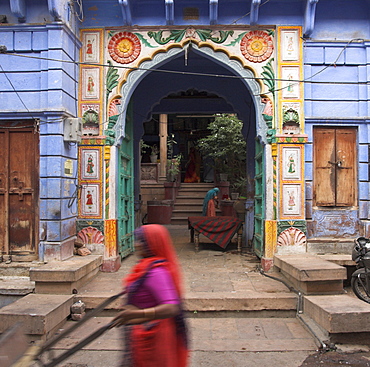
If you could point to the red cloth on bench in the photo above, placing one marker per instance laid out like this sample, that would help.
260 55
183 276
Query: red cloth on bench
219 230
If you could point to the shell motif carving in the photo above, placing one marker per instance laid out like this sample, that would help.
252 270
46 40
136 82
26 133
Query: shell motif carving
90 235
292 237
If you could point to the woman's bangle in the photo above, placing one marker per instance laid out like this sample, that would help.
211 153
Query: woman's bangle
149 313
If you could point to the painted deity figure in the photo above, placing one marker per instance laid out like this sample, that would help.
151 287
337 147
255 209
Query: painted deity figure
90 85
291 201
291 164
290 44
90 165
89 48
89 199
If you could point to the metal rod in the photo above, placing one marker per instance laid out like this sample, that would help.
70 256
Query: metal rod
88 316
80 345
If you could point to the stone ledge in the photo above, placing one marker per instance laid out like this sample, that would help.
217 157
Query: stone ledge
338 313
39 314
324 245
311 274
19 286
340 259
65 277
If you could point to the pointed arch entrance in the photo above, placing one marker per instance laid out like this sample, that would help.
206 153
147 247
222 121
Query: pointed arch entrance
200 68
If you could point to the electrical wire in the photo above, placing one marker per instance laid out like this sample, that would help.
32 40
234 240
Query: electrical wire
223 76
243 16
16 92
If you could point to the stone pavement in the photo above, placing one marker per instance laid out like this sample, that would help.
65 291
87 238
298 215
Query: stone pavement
214 279
236 315
235 341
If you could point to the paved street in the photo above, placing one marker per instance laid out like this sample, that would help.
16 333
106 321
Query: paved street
236 341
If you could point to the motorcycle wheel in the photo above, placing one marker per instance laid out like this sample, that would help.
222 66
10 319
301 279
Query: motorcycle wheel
358 287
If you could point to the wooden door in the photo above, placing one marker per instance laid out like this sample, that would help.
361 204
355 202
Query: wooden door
335 162
19 190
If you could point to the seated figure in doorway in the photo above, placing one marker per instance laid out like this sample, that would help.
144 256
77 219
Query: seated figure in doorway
193 167
210 202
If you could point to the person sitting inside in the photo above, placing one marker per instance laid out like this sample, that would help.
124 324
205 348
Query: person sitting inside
192 167
210 202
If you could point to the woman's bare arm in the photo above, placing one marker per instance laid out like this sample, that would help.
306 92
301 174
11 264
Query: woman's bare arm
134 315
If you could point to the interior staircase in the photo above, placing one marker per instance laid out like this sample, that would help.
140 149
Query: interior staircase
189 201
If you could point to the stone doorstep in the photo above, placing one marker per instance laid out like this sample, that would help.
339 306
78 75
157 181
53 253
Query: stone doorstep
213 302
323 245
65 277
338 313
309 268
340 259
16 286
311 274
40 314
19 269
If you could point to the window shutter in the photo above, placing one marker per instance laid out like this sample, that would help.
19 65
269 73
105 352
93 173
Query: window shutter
346 167
324 159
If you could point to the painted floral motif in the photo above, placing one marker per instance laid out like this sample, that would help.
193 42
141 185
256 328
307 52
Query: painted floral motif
124 47
256 46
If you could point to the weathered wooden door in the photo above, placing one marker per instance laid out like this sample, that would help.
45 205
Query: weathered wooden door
19 180
335 162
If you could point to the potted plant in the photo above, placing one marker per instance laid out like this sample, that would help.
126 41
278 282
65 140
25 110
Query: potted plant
173 168
154 153
143 148
226 146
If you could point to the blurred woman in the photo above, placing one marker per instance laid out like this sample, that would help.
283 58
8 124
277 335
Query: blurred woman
155 331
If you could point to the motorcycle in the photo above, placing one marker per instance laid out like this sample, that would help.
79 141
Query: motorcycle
360 281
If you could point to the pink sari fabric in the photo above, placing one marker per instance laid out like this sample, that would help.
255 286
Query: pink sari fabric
154 281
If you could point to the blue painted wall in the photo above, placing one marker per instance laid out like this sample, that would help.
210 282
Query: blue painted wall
44 89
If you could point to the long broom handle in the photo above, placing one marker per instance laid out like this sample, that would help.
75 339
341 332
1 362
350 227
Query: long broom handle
79 345
88 316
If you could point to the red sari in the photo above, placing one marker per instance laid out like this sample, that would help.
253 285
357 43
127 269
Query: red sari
157 343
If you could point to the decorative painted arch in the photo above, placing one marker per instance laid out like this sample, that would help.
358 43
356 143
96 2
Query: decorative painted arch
246 74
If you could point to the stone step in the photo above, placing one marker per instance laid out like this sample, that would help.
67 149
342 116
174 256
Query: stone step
325 245
21 269
191 195
310 274
65 277
342 317
188 212
40 314
340 259
251 302
14 287
179 220
185 200
197 185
